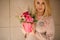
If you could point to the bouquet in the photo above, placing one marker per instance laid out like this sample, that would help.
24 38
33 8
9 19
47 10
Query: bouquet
27 18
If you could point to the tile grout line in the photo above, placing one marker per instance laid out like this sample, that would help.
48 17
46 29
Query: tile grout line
9 21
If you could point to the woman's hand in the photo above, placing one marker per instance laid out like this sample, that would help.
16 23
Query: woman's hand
33 28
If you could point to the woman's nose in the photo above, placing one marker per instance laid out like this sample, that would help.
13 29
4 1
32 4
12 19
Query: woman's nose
40 7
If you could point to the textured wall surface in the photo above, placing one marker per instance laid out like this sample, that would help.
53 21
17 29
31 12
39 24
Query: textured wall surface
9 25
56 14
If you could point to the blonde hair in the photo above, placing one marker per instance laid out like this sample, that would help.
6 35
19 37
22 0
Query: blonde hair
47 10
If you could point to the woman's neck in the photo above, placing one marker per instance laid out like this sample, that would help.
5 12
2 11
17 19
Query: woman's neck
39 15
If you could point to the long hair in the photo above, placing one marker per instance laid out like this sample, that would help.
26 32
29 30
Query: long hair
47 9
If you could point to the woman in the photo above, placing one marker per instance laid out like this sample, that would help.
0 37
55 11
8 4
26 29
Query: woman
44 28
45 24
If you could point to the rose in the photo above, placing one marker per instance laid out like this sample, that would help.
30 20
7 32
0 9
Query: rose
28 17
26 13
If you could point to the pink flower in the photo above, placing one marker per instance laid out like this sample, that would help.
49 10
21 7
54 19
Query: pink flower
29 18
27 27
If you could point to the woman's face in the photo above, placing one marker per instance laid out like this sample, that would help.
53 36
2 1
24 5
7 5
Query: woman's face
40 5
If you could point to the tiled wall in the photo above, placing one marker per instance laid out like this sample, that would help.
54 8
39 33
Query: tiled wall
9 25
4 20
56 14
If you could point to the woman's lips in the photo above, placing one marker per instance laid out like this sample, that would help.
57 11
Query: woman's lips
40 8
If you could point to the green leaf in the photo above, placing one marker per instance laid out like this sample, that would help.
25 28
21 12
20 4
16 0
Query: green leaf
22 20
35 20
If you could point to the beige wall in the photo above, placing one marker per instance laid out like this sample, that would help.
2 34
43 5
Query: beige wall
9 25
56 15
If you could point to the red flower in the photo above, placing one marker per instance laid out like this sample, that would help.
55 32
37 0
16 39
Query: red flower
26 13
28 17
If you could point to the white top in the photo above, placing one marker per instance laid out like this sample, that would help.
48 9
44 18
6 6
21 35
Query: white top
44 30
46 25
